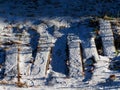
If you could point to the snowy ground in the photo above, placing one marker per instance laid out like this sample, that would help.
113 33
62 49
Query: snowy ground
36 48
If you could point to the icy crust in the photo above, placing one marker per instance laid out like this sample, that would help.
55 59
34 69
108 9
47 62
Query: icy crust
107 38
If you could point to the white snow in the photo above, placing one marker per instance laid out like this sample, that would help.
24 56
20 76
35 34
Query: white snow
40 30
107 38
75 59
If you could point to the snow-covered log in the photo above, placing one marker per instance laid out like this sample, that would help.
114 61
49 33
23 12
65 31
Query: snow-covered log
11 62
94 49
107 38
38 69
90 49
75 59
25 60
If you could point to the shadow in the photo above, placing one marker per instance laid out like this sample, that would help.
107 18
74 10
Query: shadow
89 65
116 58
109 85
110 82
55 8
34 41
99 46
2 63
115 64
59 55
51 30
88 76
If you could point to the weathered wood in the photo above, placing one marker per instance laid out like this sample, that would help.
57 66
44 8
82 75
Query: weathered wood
81 55
48 61
18 66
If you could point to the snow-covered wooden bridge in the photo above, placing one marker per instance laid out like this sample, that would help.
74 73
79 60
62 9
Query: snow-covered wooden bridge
25 57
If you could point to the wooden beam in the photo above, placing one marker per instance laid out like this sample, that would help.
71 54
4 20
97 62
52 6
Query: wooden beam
48 61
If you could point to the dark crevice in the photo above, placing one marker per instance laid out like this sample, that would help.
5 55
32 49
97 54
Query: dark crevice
99 46
34 41
67 59
117 41
89 68
82 55
116 34
2 63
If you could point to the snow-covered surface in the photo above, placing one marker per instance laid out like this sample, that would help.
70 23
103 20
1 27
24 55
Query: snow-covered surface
11 61
75 59
90 48
107 38
38 36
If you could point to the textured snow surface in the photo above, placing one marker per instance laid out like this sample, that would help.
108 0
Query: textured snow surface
55 60
75 67
107 38
48 45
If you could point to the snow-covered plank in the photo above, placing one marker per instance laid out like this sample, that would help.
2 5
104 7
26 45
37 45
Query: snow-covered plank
5 39
107 38
39 67
75 59
24 60
25 39
91 56
11 61
90 49
101 72
94 49
38 70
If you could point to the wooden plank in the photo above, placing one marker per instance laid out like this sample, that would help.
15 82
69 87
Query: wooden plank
48 61
107 38
75 59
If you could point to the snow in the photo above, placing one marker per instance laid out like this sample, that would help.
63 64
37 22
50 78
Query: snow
34 74
90 48
11 62
107 38
25 57
94 49
40 34
75 62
